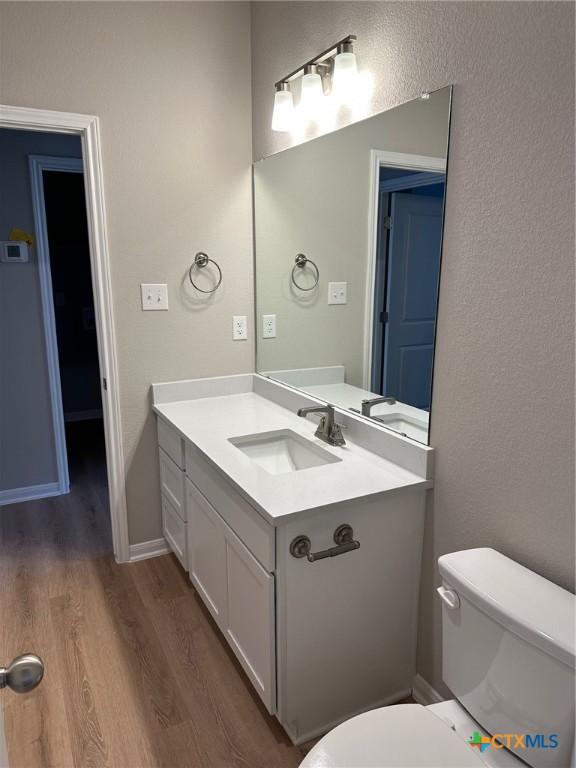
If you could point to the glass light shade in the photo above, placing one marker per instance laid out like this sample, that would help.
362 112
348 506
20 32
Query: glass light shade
345 76
283 114
312 94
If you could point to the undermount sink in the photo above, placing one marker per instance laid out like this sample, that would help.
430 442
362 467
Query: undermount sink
406 425
282 451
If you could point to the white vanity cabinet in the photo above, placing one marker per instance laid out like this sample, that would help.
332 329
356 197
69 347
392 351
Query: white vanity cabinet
320 639
230 568
236 589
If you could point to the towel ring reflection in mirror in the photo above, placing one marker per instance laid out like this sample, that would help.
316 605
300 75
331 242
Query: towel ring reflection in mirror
201 260
300 262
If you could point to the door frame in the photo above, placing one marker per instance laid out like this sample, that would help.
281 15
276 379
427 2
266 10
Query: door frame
37 164
379 158
87 127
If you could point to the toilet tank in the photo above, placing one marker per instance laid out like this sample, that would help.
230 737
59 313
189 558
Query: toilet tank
508 651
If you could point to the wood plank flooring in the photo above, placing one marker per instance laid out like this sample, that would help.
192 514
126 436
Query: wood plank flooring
137 674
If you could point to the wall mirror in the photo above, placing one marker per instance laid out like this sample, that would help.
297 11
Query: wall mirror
348 240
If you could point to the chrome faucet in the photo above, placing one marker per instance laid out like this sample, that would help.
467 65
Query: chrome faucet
367 404
328 430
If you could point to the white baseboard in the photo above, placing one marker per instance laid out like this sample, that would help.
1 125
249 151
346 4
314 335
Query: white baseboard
423 692
31 492
147 549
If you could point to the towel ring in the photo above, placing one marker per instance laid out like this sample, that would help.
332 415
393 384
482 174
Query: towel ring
300 261
200 261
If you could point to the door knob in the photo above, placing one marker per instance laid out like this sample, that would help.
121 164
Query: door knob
23 674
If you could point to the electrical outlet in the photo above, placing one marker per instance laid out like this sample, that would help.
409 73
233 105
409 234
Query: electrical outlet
239 327
154 296
337 293
268 326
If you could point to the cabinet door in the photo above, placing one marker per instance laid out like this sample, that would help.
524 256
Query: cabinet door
250 618
206 553
174 529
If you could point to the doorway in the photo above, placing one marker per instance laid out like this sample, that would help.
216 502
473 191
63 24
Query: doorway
96 323
64 247
408 211
407 270
51 408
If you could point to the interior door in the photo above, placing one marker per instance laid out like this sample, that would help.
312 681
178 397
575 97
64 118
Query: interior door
413 270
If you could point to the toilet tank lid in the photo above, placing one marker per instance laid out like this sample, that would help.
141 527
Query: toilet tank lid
529 605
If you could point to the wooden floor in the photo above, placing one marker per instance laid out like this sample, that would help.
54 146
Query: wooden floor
136 672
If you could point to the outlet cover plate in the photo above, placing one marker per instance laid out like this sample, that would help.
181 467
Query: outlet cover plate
239 327
268 326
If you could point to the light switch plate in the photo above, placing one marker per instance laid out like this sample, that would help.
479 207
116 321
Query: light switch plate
337 293
268 326
154 296
239 327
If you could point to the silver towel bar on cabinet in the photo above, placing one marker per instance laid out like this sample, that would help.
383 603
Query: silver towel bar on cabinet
343 538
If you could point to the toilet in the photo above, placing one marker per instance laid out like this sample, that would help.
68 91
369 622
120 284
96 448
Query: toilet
508 658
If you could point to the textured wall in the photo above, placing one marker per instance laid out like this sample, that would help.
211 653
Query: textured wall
314 199
27 448
171 84
502 418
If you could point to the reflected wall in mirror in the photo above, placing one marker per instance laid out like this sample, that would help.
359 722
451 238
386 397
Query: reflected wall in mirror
348 238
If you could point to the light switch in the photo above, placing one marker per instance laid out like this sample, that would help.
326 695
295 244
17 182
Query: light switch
337 293
154 296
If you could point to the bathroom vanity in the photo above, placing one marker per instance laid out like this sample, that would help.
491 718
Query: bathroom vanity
321 617
307 554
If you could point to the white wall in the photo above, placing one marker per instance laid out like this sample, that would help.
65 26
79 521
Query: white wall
27 448
503 407
315 199
171 84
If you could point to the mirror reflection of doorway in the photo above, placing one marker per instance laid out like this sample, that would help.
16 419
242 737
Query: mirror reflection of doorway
409 239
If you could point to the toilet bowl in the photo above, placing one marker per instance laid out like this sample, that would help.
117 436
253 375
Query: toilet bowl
509 659
407 736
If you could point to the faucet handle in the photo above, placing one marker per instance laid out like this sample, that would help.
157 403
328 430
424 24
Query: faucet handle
336 436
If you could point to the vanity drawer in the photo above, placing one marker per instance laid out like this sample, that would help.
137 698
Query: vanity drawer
245 521
172 483
174 529
171 442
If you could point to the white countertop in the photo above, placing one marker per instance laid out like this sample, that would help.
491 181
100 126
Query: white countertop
209 422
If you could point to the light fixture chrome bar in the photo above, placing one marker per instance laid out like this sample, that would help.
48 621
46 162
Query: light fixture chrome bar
317 60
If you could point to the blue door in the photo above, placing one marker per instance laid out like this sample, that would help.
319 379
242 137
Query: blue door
412 289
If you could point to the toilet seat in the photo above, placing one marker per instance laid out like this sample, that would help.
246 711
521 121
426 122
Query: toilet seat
401 736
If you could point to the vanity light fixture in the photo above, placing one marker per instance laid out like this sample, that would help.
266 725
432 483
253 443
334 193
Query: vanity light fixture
283 115
345 77
337 63
312 92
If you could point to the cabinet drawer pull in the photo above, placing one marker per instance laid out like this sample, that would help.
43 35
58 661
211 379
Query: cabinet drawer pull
343 538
